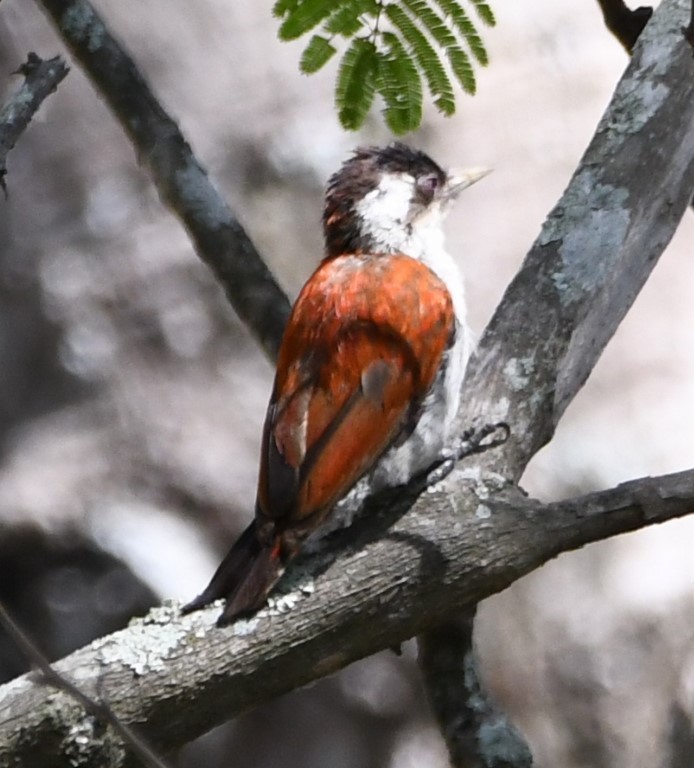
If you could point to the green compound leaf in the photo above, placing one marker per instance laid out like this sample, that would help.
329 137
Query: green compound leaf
356 86
346 19
462 67
466 28
435 25
304 17
433 40
316 54
284 6
484 12
425 58
400 85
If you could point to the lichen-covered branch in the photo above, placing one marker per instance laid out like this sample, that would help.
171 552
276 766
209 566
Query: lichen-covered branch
596 250
41 78
394 575
183 184
99 711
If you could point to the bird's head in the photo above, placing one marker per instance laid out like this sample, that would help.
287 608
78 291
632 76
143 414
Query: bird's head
389 199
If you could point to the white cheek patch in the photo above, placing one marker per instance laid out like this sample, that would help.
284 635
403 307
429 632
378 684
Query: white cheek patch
386 208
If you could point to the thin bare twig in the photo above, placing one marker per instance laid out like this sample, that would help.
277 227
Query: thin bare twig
183 184
99 711
626 25
41 78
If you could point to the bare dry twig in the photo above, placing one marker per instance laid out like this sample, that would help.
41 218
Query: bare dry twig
626 25
688 31
99 711
41 78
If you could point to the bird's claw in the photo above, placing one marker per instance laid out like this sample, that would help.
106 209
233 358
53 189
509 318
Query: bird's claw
471 441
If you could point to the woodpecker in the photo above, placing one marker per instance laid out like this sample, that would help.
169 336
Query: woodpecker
370 366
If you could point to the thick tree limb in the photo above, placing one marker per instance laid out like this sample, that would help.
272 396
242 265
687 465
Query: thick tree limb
405 570
41 78
174 677
595 252
182 183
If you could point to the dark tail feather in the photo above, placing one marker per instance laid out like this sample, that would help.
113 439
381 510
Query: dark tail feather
244 578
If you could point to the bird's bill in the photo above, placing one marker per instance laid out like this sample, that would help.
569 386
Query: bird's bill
462 178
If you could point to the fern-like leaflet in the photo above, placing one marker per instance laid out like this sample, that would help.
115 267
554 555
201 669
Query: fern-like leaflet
400 85
425 58
466 28
316 54
356 83
393 44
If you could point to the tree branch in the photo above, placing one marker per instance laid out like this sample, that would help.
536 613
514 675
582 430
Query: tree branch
183 185
404 570
626 25
688 31
41 79
99 712
397 575
477 733
595 252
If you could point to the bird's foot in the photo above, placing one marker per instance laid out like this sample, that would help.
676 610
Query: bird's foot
470 442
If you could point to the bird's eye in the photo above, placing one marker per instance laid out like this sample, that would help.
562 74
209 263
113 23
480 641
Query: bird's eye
427 186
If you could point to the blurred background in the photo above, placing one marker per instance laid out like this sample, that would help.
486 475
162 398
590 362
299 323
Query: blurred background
131 397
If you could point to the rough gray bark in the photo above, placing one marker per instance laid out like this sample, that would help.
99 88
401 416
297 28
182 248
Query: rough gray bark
406 569
398 573
594 254
98 711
